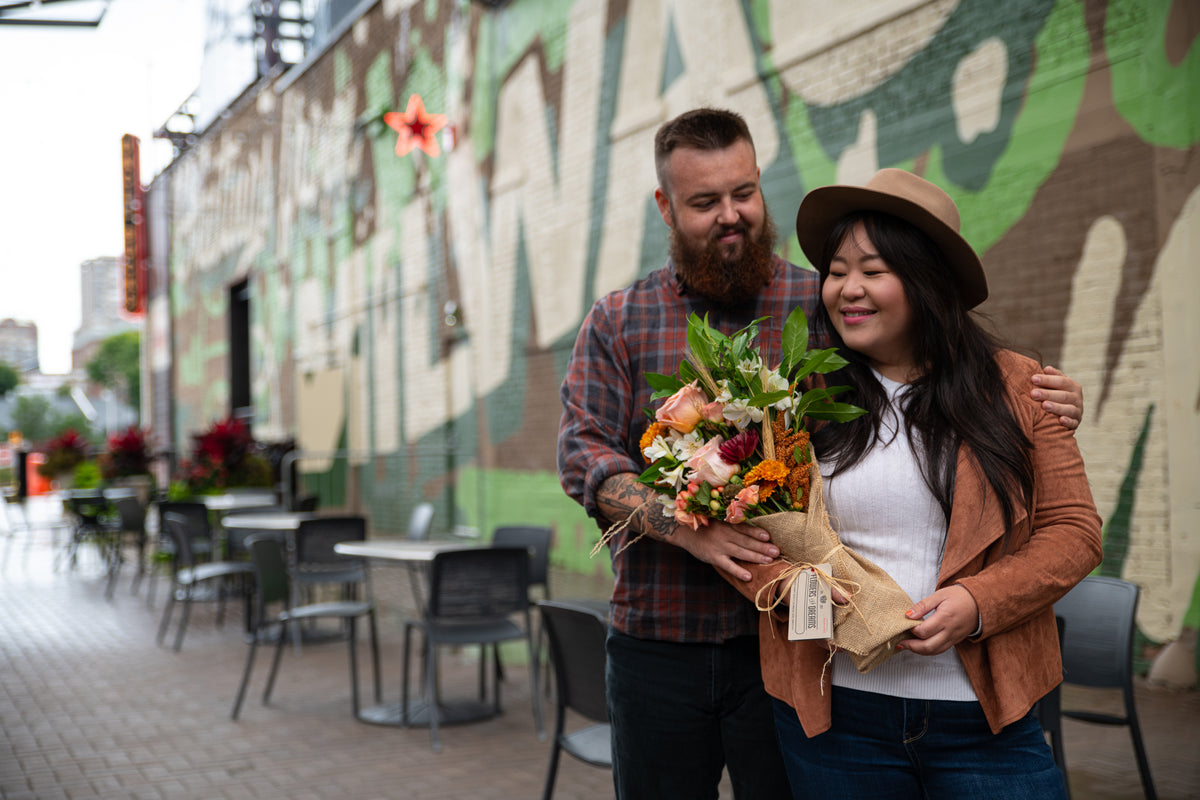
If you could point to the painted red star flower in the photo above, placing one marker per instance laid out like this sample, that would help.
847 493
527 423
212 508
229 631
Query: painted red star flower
416 127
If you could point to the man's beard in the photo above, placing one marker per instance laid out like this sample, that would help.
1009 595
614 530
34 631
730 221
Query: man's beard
705 271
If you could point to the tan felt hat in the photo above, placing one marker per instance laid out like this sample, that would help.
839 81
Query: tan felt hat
904 195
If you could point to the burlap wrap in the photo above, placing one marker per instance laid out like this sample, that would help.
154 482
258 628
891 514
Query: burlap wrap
873 622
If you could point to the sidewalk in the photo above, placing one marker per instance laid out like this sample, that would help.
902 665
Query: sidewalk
91 707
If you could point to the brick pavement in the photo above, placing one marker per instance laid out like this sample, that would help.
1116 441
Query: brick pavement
91 707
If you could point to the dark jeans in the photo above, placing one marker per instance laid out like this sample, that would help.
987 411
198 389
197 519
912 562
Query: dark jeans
682 712
890 747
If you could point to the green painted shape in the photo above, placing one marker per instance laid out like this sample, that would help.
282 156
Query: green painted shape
759 14
672 66
1160 101
505 36
343 70
495 497
1039 133
1191 618
505 408
609 83
913 108
1117 530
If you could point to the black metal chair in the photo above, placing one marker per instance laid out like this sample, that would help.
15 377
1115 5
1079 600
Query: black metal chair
200 534
271 576
316 562
87 507
129 521
192 581
420 521
473 596
1097 647
577 633
1049 712
536 539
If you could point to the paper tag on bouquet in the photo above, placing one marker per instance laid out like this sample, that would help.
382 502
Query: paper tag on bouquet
810 613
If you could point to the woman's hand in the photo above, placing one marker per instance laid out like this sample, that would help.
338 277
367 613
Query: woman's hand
950 615
1060 396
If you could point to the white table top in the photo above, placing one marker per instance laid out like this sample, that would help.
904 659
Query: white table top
267 520
402 549
236 500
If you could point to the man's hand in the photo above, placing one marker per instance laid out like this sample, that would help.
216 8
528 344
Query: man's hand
951 615
621 497
1059 396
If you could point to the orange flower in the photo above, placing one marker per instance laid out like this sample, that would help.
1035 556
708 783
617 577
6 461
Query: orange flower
769 470
653 431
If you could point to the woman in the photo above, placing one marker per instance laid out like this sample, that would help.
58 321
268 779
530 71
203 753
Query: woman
961 488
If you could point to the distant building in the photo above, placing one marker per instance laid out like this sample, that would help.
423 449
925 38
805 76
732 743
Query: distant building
19 345
101 303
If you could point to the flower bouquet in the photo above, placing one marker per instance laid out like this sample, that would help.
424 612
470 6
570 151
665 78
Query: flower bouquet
730 444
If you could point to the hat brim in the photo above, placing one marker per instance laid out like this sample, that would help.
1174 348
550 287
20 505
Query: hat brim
824 207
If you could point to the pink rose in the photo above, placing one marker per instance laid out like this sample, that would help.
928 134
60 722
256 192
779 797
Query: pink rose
707 465
695 521
737 509
684 409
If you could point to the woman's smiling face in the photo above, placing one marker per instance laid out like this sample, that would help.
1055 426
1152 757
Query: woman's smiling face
869 309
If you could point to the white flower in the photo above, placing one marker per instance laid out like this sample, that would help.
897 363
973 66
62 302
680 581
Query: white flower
686 445
741 414
657 449
668 504
774 382
749 367
672 477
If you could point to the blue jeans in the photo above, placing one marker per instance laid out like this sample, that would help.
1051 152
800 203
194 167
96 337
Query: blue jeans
890 747
681 712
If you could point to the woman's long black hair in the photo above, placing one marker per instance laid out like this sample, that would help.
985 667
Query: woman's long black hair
959 398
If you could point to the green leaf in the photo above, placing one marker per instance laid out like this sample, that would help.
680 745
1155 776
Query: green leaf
663 383
767 398
836 412
652 473
700 340
795 340
819 361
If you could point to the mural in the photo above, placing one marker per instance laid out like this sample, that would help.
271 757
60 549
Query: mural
411 315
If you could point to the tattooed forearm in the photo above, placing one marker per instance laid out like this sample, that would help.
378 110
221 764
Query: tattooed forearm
622 497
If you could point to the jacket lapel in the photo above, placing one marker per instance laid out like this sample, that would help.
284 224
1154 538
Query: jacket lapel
975 519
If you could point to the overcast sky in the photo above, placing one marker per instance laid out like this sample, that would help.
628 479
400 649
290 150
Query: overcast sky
66 97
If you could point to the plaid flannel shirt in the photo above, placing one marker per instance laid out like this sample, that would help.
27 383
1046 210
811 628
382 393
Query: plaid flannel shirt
661 591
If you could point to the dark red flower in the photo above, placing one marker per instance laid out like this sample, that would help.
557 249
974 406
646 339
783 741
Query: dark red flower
740 447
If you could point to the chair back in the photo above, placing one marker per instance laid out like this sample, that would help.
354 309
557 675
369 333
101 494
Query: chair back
536 540
478 583
270 572
315 539
420 521
176 530
577 635
196 514
131 514
1097 645
315 555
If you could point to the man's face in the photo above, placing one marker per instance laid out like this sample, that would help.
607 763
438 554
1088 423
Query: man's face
721 234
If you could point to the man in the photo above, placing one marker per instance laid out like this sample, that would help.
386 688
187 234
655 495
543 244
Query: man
685 691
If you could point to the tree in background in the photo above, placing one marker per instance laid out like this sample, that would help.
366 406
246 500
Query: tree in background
9 378
38 420
117 366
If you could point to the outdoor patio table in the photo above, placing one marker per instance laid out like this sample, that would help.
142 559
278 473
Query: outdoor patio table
232 501
416 555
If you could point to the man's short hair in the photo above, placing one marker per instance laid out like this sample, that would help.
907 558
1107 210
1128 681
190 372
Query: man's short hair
700 129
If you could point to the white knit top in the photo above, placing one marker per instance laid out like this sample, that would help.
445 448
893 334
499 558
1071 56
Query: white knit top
883 510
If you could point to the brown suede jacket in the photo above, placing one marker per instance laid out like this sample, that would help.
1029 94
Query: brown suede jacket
1015 660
